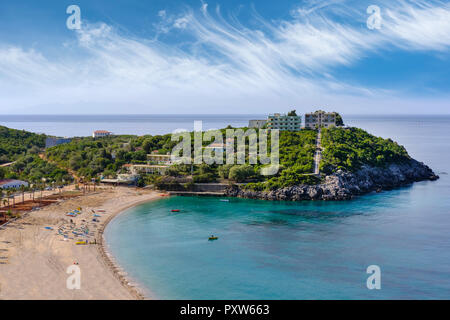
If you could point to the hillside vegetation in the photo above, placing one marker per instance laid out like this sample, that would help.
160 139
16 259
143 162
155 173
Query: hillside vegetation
22 148
350 148
344 148
296 161
90 157
16 143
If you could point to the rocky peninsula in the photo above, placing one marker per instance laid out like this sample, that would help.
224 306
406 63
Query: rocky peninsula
345 185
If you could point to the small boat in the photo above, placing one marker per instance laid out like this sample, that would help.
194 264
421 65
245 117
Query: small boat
224 200
175 210
212 238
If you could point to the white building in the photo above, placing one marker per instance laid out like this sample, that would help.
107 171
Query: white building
101 133
220 147
284 122
137 169
124 179
320 119
257 124
11 183
164 159
53 141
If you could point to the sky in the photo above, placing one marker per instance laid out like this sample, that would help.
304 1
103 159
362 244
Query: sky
219 57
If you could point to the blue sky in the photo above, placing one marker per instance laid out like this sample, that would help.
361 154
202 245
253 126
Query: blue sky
229 56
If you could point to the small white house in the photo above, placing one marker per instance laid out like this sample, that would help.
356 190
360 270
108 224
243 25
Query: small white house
11 183
101 133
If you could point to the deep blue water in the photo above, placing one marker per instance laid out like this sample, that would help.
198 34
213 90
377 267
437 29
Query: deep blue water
304 250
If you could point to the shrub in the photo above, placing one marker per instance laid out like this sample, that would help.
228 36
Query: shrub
240 173
349 149
224 171
204 178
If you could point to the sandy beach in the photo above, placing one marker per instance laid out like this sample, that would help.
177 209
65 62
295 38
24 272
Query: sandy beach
37 249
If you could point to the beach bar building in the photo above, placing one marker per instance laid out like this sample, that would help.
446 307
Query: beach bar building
122 179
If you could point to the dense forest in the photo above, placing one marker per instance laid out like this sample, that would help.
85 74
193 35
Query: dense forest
350 148
343 148
33 169
16 143
22 149
89 158
296 161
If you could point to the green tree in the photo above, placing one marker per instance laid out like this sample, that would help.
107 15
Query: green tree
240 173
224 171
339 121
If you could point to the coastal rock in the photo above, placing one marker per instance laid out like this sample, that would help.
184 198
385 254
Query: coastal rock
342 185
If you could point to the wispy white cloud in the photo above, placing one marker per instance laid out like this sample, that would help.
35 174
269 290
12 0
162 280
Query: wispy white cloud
280 62
423 27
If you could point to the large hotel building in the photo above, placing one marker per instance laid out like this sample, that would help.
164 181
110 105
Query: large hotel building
284 122
320 119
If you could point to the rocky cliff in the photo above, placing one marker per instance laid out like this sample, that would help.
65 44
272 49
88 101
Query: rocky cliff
345 185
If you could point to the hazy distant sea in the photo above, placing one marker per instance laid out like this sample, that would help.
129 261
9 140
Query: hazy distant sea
84 125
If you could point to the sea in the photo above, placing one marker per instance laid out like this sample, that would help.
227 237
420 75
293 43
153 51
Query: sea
136 124
284 250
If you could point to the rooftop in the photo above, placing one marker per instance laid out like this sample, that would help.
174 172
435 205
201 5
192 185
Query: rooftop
159 155
282 115
5 181
101 131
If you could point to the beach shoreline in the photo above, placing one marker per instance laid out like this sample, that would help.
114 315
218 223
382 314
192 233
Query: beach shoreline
35 257
139 292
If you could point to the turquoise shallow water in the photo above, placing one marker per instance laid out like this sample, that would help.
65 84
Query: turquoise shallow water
304 250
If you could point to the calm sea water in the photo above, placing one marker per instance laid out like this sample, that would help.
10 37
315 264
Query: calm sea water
303 250
84 125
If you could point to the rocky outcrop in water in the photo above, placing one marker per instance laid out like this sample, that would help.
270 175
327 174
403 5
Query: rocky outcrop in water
343 185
